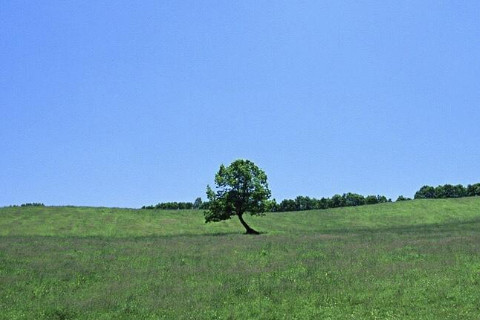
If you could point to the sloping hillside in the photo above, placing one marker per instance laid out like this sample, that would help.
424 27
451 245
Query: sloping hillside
408 260
90 221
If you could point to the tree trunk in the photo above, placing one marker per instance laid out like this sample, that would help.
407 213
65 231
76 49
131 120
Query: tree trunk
247 227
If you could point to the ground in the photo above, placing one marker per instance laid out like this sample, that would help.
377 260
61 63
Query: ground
410 260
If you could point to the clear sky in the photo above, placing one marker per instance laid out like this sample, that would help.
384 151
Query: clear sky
131 103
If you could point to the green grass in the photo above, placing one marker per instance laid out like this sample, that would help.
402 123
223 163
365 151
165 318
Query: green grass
409 260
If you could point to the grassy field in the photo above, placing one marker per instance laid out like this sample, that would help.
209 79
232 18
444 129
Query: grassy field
408 260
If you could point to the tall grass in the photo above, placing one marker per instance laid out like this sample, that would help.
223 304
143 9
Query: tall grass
409 260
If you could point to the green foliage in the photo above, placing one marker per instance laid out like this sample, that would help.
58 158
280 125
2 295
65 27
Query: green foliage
473 190
241 187
353 199
34 204
197 204
448 191
402 198
337 201
171 206
287 205
271 205
425 192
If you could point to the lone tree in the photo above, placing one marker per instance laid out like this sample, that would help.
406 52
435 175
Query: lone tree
241 187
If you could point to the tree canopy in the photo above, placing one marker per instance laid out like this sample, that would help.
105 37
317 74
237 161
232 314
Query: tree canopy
241 187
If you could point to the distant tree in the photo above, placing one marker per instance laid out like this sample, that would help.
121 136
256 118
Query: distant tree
287 205
383 199
205 205
303 203
171 206
337 201
241 187
473 190
425 192
185 205
271 205
450 191
371 199
459 191
197 203
402 198
353 199
323 203
443 191
34 204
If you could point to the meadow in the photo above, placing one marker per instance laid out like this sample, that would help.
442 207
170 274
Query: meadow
415 259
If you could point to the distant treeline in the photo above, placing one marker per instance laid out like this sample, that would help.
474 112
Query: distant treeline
448 191
298 204
301 203
349 199
34 204
352 199
197 204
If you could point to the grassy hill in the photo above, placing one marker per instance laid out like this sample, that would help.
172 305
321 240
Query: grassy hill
409 260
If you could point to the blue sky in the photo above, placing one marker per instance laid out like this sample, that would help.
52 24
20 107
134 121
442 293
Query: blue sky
121 103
